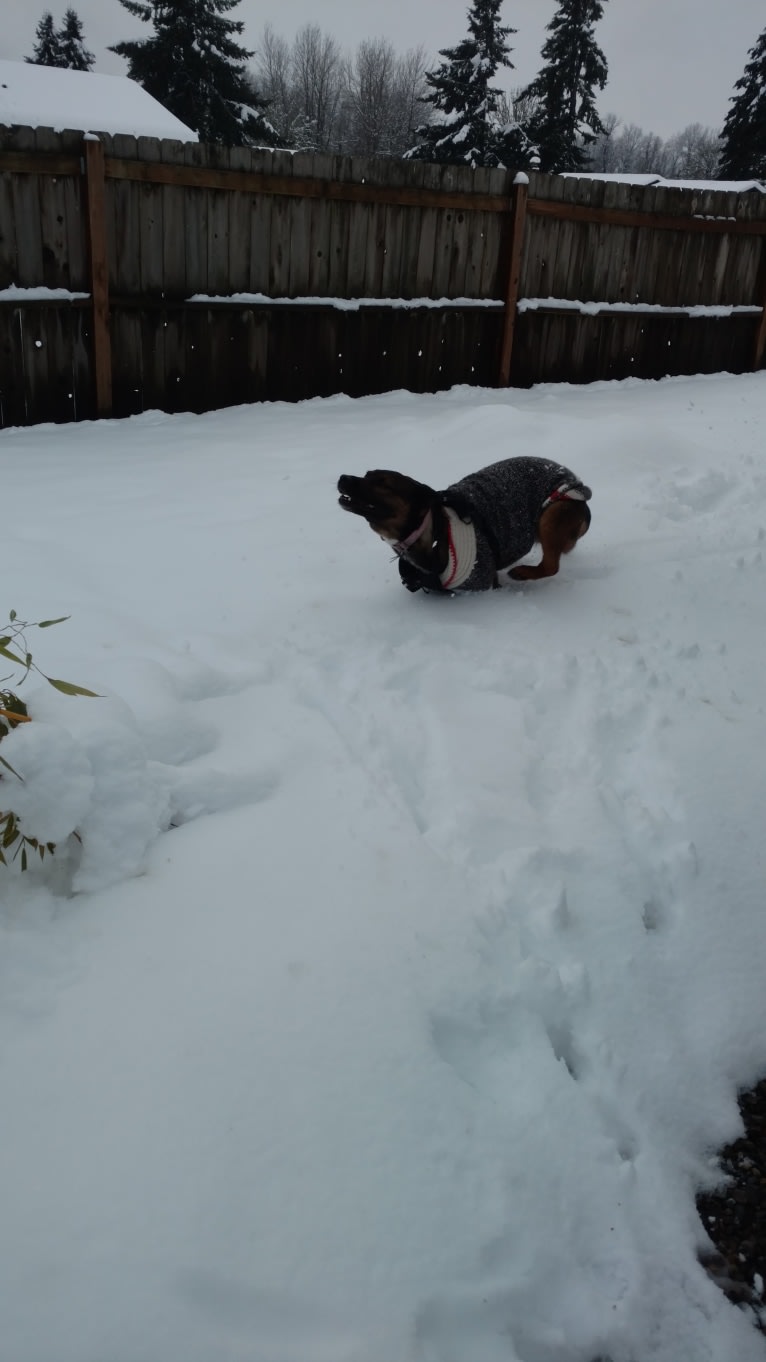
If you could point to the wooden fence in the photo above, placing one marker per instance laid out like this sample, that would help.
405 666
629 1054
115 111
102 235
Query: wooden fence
353 276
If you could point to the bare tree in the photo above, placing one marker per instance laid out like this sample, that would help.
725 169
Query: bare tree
693 154
381 99
409 87
274 78
601 153
316 75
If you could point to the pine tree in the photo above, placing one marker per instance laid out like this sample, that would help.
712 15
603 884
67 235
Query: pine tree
566 120
74 53
194 66
47 49
744 131
466 126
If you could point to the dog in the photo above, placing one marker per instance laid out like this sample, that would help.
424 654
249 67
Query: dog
463 538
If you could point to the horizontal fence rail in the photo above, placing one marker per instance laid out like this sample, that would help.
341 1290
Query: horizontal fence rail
136 273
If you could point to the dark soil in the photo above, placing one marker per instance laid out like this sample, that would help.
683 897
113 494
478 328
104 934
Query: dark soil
735 1215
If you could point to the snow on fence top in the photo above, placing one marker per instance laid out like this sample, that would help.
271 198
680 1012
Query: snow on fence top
659 181
47 97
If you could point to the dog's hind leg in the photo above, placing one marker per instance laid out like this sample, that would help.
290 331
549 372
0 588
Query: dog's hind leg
559 528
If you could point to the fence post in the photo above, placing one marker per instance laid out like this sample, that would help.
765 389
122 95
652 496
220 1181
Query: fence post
759 348
95 193
518 224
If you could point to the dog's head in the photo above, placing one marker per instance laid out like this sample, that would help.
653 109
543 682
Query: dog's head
391 503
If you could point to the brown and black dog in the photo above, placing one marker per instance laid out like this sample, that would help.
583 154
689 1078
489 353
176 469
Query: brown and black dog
460 539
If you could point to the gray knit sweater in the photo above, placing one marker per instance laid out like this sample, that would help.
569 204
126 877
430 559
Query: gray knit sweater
507 498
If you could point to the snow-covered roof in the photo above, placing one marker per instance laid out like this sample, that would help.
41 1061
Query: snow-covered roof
633 177
48 97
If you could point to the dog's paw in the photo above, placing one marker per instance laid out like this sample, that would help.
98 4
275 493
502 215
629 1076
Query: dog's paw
525 573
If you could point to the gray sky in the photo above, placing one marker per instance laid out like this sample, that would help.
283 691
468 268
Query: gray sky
671 62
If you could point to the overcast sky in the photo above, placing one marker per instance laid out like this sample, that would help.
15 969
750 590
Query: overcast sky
671 62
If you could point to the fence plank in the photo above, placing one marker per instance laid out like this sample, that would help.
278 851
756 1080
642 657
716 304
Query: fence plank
173 227
759 345
99 275
279 266
196 204
320 263
218 230
124 207
26 212
152 227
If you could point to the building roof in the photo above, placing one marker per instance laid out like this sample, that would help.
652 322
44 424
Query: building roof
49 97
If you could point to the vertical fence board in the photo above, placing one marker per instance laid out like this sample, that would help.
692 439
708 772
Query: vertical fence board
13 395
320 263
26 212
279 268
98 261
339 217
196 202
425 282
173 227
151 225
8 253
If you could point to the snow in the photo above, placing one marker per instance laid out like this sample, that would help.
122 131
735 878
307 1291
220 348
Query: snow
659 181
50 97
593 308
342 304
395 1001
39 294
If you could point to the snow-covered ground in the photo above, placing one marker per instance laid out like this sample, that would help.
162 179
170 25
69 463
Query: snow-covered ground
413 1037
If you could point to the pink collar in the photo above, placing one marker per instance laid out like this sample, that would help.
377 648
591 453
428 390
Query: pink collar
405 544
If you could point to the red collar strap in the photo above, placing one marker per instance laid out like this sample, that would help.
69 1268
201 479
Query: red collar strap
452 557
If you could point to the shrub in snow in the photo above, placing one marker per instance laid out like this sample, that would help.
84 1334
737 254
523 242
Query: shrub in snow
46 794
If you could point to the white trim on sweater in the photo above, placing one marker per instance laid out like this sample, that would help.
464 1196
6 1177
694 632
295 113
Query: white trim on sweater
462 535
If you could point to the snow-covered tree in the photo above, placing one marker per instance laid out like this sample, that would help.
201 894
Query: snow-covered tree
466 126
744 131
47 50
567 121
194 66
74 53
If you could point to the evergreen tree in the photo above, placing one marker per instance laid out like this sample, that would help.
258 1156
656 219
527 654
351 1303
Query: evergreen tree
47 49
194 66
566 120
74 53
744 131
466 126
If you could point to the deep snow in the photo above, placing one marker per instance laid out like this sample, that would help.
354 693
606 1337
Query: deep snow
415 1036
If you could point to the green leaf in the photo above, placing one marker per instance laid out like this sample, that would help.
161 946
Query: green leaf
46 624
12 616
8 767
69 689
6 652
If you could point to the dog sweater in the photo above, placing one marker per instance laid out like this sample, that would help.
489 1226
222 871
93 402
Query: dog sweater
504 502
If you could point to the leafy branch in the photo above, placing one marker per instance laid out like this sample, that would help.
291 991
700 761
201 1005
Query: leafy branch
16 635
13 712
